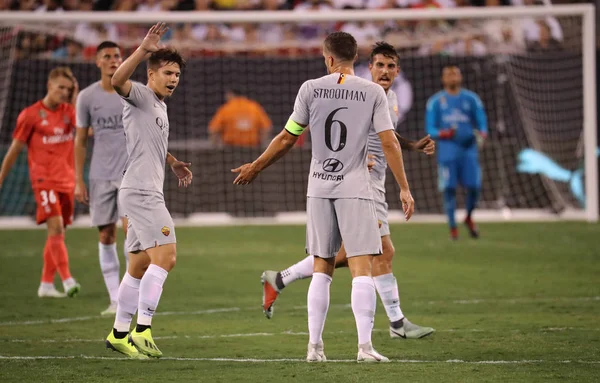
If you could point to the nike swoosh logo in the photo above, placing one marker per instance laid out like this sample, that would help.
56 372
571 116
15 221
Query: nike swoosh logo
96 108
400 333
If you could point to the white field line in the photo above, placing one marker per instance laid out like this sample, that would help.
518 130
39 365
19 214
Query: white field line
288 360
84 318
283 333
303 307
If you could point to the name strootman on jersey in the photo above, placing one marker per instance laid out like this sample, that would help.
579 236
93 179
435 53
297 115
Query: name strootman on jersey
332 165
340 94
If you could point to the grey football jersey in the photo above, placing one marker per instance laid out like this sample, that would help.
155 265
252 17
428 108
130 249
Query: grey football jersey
103 111
340 110
147 134
374 148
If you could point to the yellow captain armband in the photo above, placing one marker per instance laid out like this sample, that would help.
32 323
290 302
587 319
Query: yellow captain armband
293 128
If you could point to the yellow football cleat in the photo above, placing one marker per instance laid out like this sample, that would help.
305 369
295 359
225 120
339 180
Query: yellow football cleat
145 344
124 346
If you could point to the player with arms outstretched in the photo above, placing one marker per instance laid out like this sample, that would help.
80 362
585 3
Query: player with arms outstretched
340 108
150 234
47 129
99 107
384 69
456 119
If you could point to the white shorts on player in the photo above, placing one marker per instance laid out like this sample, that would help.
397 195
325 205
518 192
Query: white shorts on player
149 221
104 202
329 221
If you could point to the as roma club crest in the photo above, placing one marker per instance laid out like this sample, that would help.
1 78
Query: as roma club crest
166 231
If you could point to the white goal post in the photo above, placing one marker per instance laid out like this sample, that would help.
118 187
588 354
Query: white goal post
584 12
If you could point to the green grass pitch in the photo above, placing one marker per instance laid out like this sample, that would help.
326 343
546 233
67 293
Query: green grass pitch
522 304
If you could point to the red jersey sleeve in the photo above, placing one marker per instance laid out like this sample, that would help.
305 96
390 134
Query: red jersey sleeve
24 127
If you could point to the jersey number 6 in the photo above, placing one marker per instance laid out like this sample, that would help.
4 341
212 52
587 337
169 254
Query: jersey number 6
343 131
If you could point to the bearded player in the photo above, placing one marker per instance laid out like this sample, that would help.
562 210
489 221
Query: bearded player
384 68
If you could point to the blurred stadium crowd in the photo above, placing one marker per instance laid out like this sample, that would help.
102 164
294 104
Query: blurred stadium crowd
450 37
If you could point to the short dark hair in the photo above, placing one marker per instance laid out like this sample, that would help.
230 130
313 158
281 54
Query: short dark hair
341 45
165 56
107 44
385 49
449 65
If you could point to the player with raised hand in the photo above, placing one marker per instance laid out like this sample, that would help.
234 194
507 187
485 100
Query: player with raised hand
456 119
46 128
150 234
99 107
384 68
341 109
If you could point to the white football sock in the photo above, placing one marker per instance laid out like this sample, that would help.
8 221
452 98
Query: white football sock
387 287
300 270
363 301
110 266
68 283
127 299
318 304
151 289
47 286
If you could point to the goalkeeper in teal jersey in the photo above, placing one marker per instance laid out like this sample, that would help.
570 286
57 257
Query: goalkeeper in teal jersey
456 119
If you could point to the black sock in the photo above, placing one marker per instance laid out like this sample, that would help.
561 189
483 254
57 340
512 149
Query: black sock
279 282
119 334
141 327
397 324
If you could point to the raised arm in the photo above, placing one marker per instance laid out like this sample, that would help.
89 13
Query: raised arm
120 80
74 92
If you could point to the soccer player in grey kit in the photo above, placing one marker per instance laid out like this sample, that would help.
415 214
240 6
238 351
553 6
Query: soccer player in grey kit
340 108
150 234
99 107
384 67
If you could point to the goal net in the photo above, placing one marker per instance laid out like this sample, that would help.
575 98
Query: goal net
533 67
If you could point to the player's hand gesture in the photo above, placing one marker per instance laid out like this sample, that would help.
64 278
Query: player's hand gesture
370 161
425 145
81 193
480 138
152 39
247 174
74 91
182 171
408 203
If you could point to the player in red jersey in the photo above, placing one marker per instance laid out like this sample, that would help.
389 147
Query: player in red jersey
47 129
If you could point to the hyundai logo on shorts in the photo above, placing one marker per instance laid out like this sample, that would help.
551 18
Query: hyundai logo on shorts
332 165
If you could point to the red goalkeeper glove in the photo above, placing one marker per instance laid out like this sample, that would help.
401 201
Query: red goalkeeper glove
447 134
480 137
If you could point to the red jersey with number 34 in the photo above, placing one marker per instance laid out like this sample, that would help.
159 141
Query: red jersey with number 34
49 138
